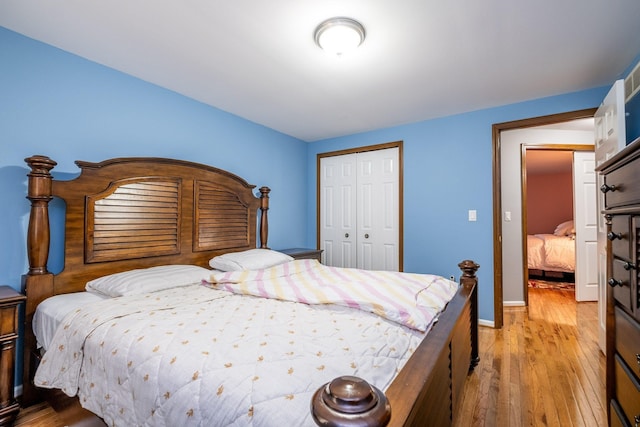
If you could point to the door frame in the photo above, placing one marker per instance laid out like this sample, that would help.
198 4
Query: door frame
395 144
496 130
523 192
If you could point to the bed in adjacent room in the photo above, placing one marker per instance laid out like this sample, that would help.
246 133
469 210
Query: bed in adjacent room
170 310
552 255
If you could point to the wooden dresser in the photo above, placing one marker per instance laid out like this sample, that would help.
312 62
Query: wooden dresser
10 300
622 209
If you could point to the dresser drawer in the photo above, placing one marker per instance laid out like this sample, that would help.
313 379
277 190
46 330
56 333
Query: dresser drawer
616 415
8 322
635 259
626 180
628 341
627 390
619 236
620 280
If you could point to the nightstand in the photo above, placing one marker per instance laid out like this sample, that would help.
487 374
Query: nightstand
303 253
10 300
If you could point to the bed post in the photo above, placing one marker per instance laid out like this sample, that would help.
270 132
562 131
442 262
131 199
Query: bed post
264 223
38 282
470 281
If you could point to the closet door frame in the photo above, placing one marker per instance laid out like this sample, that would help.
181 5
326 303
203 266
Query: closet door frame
396 144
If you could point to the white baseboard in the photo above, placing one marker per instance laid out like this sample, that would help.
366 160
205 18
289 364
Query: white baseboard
513 304
487 323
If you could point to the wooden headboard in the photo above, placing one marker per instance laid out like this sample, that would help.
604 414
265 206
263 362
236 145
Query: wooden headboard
128 213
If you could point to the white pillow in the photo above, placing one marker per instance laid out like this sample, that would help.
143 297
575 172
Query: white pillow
252 259
565 229
153 279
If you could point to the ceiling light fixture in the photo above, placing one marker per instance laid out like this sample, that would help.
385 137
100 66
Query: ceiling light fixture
339 35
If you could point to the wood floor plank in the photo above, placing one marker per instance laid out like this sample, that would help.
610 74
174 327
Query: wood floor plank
549 369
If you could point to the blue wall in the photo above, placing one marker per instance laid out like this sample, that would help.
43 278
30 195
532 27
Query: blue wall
60 105
632 109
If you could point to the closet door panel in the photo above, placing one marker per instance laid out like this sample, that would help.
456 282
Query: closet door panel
378 181
359 212
337 211
366 227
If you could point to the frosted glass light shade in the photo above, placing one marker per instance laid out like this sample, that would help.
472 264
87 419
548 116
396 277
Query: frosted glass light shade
339 35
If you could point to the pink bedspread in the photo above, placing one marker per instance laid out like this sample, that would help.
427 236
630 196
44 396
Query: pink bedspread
551 253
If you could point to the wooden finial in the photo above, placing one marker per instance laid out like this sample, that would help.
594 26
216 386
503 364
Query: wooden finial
349 401
468 268
39 193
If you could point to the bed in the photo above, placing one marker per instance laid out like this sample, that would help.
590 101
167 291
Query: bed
552 253
148 214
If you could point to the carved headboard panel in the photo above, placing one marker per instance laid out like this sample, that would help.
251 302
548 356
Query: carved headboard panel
222 221
134 218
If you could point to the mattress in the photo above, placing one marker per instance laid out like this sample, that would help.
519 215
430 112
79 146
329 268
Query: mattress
548 252
50 313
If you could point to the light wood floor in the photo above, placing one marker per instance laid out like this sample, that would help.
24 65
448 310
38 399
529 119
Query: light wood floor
543 368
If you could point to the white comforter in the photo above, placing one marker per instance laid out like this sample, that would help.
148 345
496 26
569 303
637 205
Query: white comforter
551 253
200 356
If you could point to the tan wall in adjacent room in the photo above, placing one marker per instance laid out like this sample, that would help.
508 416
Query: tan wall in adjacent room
549 201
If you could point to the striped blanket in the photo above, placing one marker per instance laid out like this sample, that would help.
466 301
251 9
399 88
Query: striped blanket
412 300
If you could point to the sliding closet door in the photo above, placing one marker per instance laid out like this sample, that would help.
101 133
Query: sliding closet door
359 209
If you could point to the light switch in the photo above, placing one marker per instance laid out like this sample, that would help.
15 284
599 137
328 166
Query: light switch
507 216
472 215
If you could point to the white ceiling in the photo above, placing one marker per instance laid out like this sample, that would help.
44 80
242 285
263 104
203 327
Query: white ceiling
421 59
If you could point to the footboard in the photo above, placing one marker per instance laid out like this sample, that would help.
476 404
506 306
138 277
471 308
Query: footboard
429 388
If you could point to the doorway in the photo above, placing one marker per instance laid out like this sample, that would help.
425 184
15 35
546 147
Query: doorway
559 217
547 218
499 132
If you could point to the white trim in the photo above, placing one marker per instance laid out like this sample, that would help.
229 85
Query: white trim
17 390
513 304
488 323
